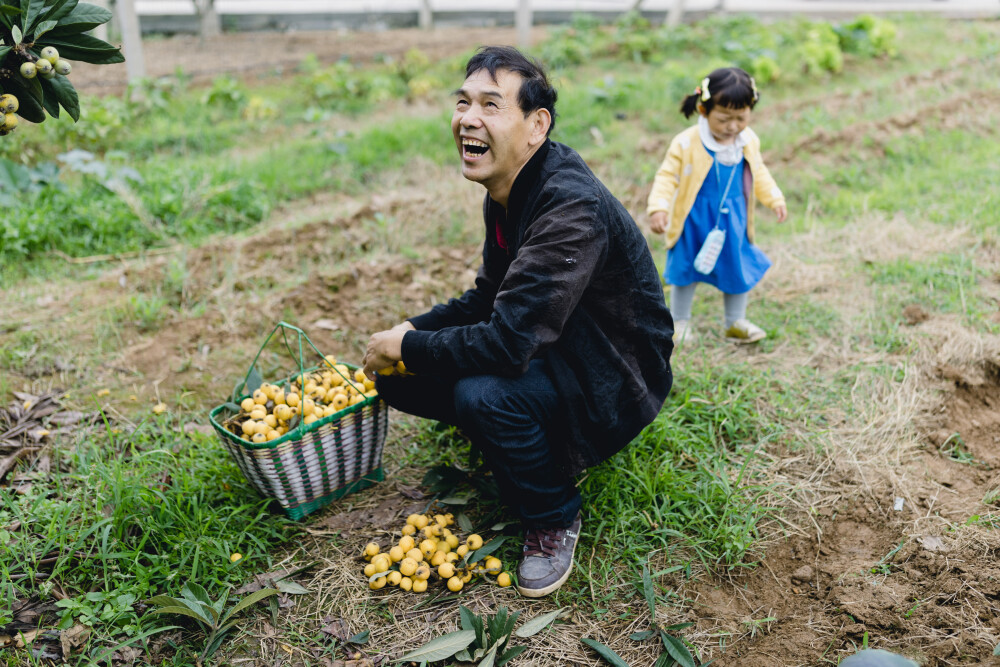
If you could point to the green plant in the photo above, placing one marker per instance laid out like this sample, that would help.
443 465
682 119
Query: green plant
227 93
38 36
108 608
955 449
755 625
675 651
213 616
18 181
148 95
482 638
884 565
764 69
820 50
147 311
868 36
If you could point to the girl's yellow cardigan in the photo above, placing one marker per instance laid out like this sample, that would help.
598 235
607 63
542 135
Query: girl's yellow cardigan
679 179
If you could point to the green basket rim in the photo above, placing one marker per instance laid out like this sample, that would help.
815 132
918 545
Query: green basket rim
299 431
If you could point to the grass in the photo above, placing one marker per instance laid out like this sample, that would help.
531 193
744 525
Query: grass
139 512
695 483
131 510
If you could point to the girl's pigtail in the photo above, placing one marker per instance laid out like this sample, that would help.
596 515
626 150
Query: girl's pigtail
690 104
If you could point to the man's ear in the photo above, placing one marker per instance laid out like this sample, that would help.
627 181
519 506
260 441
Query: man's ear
541 121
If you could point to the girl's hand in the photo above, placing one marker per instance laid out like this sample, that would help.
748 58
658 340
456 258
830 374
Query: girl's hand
782 212
658 222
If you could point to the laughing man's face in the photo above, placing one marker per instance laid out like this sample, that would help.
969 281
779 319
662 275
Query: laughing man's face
494 137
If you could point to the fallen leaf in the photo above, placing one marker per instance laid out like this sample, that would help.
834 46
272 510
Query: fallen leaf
128 655
411 492
25 638
336 628
103 392
261 580
74 638
291 587
67 417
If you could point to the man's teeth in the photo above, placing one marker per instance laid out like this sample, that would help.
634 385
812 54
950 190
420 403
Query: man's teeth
474 147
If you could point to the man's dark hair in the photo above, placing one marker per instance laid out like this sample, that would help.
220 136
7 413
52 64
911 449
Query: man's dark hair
536 91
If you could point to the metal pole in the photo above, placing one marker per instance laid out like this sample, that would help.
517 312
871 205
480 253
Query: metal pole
522 22
101 31
426 18
676 14
135 65
209 24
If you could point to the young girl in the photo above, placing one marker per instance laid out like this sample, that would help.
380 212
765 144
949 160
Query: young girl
710 179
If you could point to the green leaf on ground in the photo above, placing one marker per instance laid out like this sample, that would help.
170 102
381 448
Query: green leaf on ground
484 551
537 624
648 592
609 656
441 648
677 650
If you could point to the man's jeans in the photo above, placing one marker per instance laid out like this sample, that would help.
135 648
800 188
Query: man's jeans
508 420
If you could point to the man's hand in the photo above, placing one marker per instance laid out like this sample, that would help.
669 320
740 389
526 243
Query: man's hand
781 212
385 349
658 222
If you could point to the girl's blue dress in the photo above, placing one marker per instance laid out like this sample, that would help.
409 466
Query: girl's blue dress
741 264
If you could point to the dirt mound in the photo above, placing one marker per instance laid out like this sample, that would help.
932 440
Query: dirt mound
971 415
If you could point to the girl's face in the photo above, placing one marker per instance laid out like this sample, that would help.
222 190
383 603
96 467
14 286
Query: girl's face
726 123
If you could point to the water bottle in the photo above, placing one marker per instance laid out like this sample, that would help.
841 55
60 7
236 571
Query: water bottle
704 262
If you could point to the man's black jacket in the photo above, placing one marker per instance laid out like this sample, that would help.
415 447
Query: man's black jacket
576 286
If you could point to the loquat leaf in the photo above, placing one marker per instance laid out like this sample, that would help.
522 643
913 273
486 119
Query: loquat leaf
251 599
609 656
490 656
537 624
183 611
441 648
677 650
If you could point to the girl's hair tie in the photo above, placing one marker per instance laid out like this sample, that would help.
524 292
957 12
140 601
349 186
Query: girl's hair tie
703 89
753 85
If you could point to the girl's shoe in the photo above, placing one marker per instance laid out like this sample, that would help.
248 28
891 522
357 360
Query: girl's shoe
683 333
744 331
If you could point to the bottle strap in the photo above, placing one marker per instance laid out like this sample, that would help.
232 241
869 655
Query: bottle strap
725 193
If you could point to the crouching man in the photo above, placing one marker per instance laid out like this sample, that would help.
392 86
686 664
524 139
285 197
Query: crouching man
560 353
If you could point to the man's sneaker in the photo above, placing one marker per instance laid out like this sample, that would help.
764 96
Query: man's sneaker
547 559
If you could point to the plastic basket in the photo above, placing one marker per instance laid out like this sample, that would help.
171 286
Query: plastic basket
313 464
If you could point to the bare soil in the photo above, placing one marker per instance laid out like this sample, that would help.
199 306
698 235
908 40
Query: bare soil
254 55
877 544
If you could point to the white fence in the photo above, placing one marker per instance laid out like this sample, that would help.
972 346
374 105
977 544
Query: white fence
408 10
207 16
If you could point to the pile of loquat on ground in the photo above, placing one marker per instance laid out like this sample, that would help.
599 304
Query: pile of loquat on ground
429 551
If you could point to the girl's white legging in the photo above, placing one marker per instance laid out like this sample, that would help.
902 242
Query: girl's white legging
682 296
